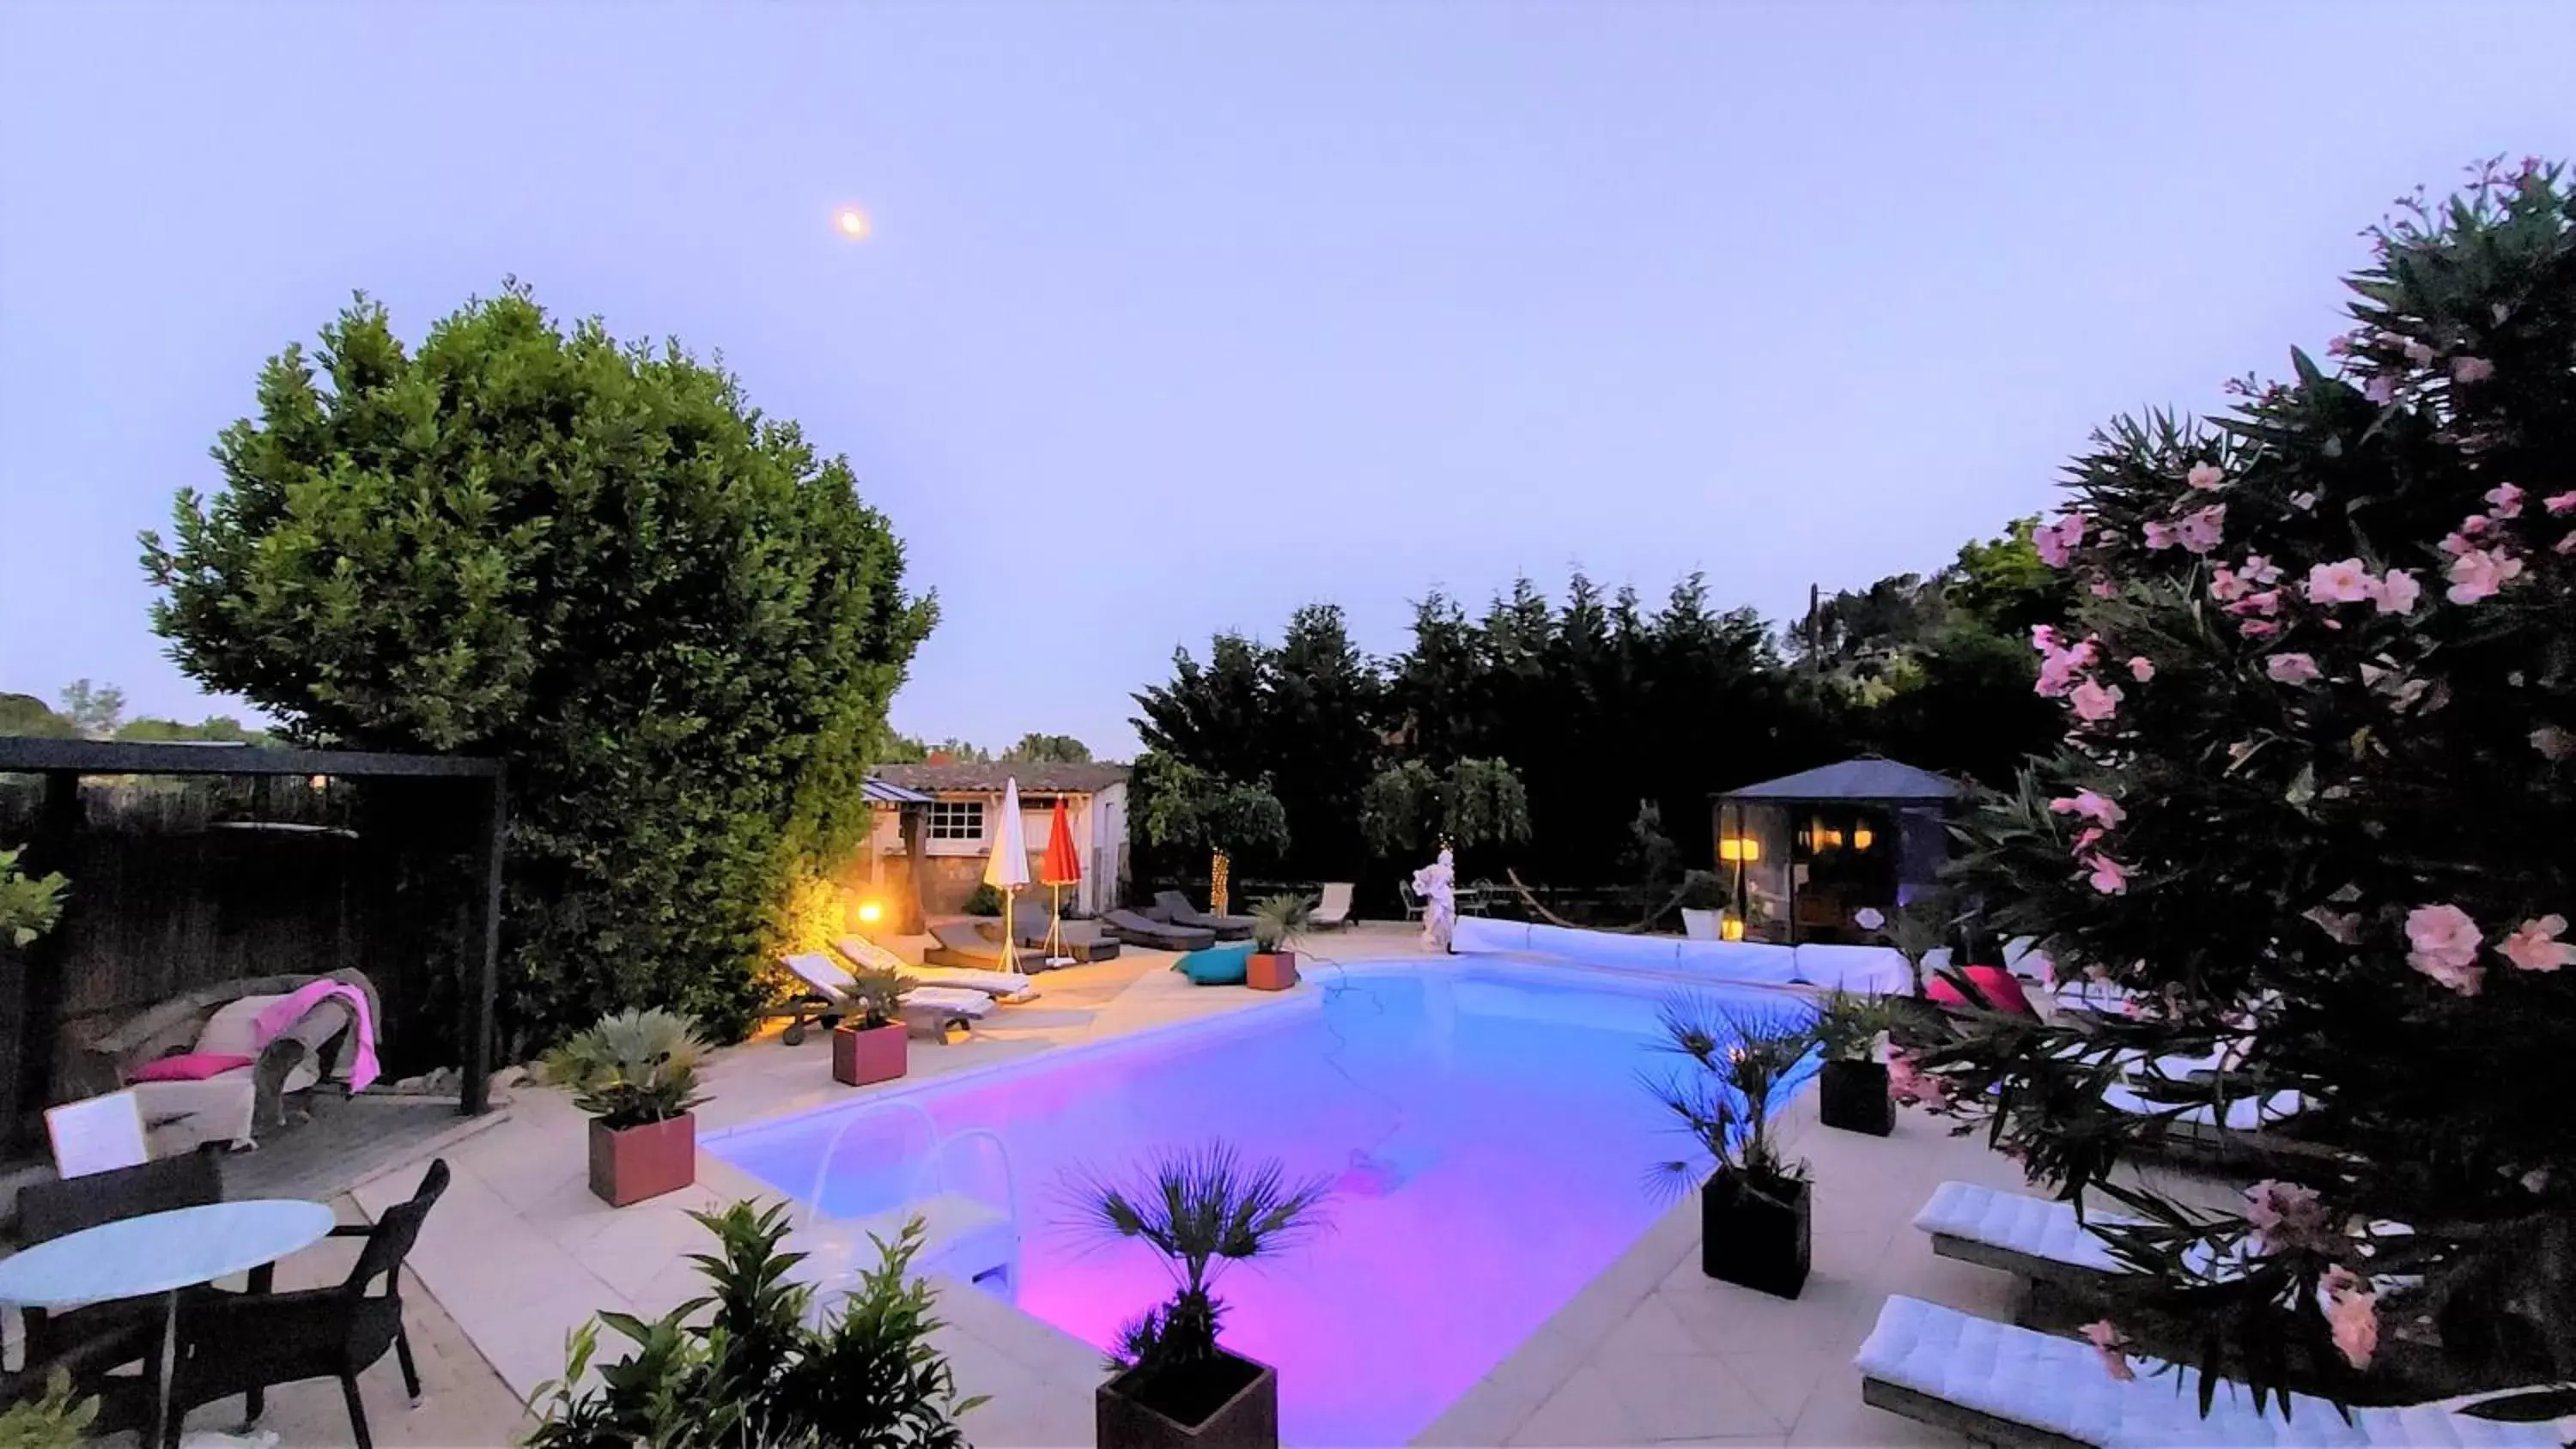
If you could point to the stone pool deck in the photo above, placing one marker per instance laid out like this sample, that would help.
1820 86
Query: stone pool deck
519 1253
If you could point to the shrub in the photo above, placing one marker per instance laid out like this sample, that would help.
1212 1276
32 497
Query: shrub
632 1069
1279 922
675 622
2320 766
52 1420
754 1370
984 900
1848 1025
29 904
1743 1060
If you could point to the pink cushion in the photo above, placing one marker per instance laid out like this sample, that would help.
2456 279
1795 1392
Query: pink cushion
194 1067
2001 991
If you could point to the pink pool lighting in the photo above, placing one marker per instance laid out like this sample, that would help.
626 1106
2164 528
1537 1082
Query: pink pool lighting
1485 1133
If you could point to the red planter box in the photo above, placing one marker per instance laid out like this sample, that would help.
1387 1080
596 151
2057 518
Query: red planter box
642 1162
1270 970
861 1055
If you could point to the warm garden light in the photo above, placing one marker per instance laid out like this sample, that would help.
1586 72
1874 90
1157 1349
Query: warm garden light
1739 849
852 223
1730 928
1862 835
870 913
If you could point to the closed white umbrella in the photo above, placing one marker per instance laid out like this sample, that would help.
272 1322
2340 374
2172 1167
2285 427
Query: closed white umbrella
1008 869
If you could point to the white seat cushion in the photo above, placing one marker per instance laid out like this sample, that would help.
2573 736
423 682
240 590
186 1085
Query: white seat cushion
2062 1386
1855 968
2017 1223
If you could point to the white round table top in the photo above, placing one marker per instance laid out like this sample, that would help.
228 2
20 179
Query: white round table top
158 1252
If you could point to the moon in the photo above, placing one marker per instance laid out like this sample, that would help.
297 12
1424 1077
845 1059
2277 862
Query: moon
852 223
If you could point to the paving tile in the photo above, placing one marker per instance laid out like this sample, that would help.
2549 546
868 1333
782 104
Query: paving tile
1678 1396
1586 1410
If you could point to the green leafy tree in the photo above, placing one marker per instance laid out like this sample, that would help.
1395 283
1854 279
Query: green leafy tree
905 750
29 904
25 714
94 710
671 617
2322 751
214 728
1034 748
1182 808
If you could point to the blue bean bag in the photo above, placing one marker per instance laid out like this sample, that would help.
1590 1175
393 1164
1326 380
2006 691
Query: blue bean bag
1216 966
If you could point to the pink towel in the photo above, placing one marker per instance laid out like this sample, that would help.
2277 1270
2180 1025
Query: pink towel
289 1009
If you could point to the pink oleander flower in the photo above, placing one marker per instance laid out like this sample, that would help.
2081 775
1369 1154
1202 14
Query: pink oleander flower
2564 545
2418 352
2553 743
2101 587
2043 637
2285 1215
1910 1086
2445 942
2534 945
2226 585
2094 701
2158 535
2141 668
2343 582
2476 526
2504 501
2260 571
2061 669
2291 668
2258 628
2109 876
2352 1314
2057 541
2199 530
2559 503
2085 840
2266 604
2303 501
2108 1341
2471 369
2395 592
2479 573
2381 390
2204 476
2091 805
2339 345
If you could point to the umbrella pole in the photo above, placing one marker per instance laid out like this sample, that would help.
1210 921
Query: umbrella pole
1055 928
1010 918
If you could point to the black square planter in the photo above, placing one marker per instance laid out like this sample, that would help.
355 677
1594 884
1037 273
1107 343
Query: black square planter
1232 1405
1760 1240
1853 1096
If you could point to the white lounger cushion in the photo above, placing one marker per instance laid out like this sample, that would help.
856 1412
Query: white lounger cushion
1740 961
2017 1223
1000 985
947 1003
2062 1386
1879 969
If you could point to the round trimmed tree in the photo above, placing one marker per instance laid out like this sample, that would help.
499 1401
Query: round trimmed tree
674 620
2314 812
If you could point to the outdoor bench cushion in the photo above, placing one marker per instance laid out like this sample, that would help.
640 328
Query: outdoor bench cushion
1216 966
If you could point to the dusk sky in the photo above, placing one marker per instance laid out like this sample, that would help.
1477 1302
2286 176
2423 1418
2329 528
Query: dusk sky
1178 316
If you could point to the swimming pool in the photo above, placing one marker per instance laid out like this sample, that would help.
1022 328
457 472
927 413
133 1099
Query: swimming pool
1484 1126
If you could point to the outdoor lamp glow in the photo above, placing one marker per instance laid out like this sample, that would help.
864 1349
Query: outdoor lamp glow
1737 849
870 913
1730 929
1862 836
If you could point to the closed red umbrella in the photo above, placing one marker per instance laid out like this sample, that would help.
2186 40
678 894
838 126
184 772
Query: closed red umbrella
1062 867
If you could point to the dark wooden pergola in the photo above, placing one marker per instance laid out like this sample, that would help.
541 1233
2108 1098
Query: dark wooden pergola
28 1017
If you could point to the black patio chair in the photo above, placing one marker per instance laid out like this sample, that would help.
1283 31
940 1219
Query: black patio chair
103 1336
243 1343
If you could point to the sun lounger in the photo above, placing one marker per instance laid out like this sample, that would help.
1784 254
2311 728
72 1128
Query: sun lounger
1138 930
1177 907
1999 1384
1007 987
963 943
2255 1133
1081 940
1334 911
931 1009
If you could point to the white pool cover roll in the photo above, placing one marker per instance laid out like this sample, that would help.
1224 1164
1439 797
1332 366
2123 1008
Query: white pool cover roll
2062 1386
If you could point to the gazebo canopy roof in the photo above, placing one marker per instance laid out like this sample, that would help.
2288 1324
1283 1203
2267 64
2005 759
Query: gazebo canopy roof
1867 778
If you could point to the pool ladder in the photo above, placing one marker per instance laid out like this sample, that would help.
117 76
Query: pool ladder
964 1236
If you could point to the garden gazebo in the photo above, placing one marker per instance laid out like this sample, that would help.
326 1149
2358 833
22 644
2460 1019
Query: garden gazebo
1801 854
33 980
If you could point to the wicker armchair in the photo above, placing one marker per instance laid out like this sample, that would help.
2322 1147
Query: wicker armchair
296 1060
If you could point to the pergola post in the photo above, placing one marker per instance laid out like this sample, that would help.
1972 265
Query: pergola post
911 920
477 1093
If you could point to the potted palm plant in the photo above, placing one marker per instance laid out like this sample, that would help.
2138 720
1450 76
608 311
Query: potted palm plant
1203 1210
1754 1203
636 1074
1278 924
1851 1087
871 1047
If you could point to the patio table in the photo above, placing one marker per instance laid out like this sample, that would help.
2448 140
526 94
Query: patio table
161 1253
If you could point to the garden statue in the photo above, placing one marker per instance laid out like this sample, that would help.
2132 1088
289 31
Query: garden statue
1437 884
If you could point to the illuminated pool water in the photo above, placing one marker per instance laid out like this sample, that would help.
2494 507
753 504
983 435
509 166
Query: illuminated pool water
1485 1127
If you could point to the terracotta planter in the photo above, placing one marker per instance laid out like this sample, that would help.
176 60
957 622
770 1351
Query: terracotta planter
640 1162
1853 1097
1236 1407
1760 1240
1270 970
861 1055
